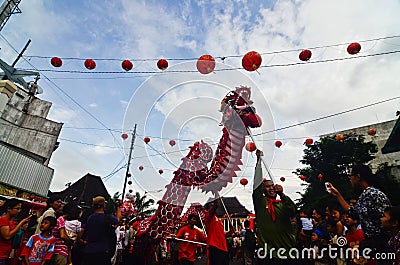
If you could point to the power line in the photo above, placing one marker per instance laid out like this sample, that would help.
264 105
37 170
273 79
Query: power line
329 116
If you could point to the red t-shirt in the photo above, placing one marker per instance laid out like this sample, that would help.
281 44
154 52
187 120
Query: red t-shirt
215 232
188 250
6 245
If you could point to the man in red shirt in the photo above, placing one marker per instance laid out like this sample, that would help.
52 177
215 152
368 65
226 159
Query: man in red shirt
217 250
187 250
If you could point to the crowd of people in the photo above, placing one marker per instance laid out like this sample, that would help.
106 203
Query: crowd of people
364 230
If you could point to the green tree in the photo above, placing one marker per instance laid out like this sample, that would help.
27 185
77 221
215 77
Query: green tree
331 159
144 205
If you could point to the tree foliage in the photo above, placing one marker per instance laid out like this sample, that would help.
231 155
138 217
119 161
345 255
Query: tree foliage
332 159
143 205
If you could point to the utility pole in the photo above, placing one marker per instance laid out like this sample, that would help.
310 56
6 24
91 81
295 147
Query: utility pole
129 161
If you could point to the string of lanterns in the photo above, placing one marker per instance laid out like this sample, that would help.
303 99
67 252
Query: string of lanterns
205 64
251 147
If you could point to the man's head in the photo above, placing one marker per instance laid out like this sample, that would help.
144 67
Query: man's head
99 202
54 202
359 175
193 219
269 189
246 224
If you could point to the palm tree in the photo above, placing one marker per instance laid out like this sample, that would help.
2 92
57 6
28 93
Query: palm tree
144 205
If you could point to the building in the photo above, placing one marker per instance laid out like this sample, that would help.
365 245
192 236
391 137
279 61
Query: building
27 138
84 190
236 211
385 132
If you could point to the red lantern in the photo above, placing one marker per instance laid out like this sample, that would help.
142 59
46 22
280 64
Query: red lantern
129 182
302 177
340 137
354 48
371 132
56 62
244 181
146 140
320 176
160 171
205 64
140 168
278 144
124 136
251 61
264 179
162 64
90 64
128 175
309 141
283 179
127 65
172 142
305 55
250 146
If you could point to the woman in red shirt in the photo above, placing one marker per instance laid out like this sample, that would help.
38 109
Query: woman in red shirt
8 229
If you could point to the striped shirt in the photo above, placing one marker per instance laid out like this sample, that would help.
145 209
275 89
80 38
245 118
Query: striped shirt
60 248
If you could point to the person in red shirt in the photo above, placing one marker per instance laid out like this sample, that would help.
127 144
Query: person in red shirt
39 248
217 249
11 208
187 250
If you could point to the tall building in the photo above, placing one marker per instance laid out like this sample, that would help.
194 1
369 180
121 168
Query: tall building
27 138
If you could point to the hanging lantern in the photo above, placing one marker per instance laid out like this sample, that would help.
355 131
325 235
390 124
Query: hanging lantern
205 64
282 179
244 181
250 146
129 182
172 142
127 65
160 171
162 64
305 55
141 168
56 62
251 61
371 132
320 176
128 175
340 137
354 48
130 191
278 144
124 136
302 177
146 140
309 141
90 64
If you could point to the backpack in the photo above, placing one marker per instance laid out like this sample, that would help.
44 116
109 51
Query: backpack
250 241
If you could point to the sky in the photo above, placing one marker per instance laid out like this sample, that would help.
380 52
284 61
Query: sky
97 106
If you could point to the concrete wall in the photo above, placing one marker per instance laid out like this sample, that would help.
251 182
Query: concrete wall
29 132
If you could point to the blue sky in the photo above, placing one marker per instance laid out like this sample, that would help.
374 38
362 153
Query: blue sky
93 107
